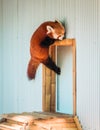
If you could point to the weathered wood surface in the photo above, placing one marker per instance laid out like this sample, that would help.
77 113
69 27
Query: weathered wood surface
65 42
49 78
37 121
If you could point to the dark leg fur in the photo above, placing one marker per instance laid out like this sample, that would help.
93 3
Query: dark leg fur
51 65
32 67
47 42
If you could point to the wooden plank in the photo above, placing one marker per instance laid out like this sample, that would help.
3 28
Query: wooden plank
77 123
56 125
10 126
64 129
53 98
48 89
34 127
7 127
65 42
54 114
19 118
53 120
32 116
74 75
53 84
39 127
49 100
3 128
43 88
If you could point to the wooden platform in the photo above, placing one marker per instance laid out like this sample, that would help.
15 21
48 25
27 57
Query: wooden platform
39 121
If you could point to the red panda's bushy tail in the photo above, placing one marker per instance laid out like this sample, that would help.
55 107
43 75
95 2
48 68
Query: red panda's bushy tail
32 67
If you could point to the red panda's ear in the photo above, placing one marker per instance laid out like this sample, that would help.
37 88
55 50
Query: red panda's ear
49 29
57 21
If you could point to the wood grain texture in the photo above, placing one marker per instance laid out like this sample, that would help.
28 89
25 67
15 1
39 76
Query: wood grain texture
49 78
38 121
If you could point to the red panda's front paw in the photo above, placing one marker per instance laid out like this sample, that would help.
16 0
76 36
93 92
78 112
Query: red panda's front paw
58 70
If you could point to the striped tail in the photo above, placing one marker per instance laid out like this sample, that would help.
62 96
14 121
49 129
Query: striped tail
32 67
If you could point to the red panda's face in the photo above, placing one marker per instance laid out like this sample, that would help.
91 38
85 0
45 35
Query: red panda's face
55 30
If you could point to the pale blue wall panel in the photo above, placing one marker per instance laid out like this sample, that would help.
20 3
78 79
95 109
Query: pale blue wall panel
9 49
1 88
19 94
64 81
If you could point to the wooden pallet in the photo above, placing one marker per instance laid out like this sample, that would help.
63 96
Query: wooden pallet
39 121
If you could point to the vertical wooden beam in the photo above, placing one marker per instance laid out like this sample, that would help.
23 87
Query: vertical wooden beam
49 79
53 83
77 123
43 88
74 76
48 90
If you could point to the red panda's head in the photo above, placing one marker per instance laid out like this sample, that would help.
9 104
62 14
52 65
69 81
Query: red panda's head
55 30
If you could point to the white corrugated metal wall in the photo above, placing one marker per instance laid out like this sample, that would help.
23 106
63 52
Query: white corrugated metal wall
88 71
88 63
18 19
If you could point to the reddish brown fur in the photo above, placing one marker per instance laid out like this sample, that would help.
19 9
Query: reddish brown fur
40 54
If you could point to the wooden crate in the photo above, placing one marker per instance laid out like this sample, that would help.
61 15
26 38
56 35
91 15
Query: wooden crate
39 121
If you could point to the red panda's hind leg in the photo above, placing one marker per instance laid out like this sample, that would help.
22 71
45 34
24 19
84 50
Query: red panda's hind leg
51 65
32 67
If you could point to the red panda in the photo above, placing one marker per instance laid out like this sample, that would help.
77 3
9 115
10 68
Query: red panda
42 38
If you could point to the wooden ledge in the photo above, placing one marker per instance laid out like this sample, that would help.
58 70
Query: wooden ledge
65 42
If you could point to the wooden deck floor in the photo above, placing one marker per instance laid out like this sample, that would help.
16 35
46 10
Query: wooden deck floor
39 121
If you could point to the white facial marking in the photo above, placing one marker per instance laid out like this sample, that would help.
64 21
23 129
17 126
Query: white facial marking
61 37
55 36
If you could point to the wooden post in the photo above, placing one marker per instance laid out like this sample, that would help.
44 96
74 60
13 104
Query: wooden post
53 83
74 76
43 88
79 127
49 87
49 79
